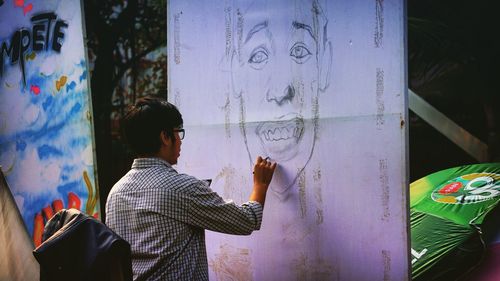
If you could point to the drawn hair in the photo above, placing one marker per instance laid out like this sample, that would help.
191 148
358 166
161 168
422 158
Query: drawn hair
320 22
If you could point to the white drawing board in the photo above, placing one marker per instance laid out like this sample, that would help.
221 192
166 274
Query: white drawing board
319 87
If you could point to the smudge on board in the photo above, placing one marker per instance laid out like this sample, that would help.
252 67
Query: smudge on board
379 23
315 111
302 194
380 98
386 257
300 267
228 29
227 115
231 180
177 97
300 95
311 269
294 232
318 196
232 263
242 124
321 270
239 31
317 175
177 38
227 174
319 216
384 185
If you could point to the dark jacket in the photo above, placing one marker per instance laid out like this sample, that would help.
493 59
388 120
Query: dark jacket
78 247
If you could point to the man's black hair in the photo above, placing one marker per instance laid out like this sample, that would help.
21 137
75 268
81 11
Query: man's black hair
144 121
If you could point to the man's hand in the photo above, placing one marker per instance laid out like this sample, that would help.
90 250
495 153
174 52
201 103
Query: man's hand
263 171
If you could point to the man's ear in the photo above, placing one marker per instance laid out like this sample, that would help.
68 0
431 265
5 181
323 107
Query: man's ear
326 66
165 140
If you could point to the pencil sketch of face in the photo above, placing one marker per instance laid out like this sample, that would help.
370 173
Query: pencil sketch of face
281 63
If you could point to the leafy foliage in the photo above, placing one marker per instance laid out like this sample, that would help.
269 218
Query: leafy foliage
453 63
126 43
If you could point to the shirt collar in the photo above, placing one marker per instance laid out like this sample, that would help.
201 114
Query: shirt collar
142 163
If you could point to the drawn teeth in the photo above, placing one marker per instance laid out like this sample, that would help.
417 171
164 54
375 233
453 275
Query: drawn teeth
281 133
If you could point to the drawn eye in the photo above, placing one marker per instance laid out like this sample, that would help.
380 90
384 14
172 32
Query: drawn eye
299 53
258 58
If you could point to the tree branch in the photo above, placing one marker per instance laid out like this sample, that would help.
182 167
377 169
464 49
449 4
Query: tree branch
129 64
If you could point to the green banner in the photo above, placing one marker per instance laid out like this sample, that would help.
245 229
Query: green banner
447 211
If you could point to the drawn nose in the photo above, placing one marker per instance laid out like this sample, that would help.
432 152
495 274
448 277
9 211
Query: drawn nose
282 97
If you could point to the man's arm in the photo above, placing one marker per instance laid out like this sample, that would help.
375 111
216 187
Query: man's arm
263 171
209 211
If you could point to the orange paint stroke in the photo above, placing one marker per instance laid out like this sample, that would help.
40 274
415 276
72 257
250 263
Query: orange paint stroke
48 212
74 201
27 8
57 205
60 83
38 229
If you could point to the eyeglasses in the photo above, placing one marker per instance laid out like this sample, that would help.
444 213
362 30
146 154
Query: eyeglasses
181 133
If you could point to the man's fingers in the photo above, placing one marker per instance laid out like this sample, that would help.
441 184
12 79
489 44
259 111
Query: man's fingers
273 166
264 165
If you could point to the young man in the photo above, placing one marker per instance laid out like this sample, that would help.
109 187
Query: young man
163 214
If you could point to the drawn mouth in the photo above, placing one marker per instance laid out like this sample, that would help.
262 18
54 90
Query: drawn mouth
277 137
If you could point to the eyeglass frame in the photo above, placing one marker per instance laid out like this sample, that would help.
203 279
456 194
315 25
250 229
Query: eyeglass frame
182 133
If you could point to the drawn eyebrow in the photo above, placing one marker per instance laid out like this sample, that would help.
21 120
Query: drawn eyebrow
258 27
299 25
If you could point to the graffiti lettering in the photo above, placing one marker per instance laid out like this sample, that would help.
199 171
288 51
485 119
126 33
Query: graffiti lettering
41 38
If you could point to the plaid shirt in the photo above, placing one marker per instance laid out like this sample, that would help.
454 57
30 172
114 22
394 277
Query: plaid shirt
163 215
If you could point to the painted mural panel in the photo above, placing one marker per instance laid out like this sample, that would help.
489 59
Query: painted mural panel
319 87
46 140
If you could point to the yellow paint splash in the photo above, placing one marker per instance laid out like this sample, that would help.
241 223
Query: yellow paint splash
93 197
61 82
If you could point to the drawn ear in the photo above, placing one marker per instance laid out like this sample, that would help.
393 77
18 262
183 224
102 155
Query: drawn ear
326 66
